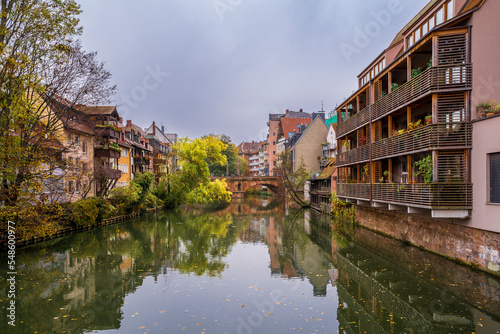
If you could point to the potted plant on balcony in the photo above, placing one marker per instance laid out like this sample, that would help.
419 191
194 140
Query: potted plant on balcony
413 126
347 145
483 109
424 167
362 141
428 119
415 72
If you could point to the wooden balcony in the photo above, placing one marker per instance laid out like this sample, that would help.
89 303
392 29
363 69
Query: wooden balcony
357 155
434 136
354 190
141 160
433 80
442 196
101 152
107 133
356 121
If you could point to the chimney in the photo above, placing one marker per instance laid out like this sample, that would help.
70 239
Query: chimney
120 120
154 128
162 129
287 111
129 123
301 110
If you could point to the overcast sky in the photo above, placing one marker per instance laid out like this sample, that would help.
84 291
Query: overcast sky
221 66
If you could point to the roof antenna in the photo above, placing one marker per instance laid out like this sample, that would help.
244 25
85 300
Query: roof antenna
321 105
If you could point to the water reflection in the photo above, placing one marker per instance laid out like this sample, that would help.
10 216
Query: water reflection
249 269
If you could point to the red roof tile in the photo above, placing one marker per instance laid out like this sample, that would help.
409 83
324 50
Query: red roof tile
290 125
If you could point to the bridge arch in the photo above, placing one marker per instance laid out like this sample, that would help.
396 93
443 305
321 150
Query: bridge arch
239 185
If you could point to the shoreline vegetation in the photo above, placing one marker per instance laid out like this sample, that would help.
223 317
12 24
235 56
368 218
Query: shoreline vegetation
190 185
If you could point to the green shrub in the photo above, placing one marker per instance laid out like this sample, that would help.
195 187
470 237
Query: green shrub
151 201
124 199
83 212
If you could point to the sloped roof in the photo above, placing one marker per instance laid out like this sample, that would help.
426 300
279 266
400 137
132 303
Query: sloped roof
328 171
97 110
417 17
290 125
309 126
79 127
275 117
472 4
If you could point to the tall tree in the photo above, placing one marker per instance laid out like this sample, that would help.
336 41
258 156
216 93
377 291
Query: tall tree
44 74
192 183
231 154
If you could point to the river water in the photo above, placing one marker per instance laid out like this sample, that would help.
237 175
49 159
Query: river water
254 267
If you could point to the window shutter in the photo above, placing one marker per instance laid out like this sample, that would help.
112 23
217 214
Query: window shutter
495 178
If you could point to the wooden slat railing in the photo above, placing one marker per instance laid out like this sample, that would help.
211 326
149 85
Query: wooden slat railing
443 196
434 79
449 136
354 190
357 120
431 196
356 155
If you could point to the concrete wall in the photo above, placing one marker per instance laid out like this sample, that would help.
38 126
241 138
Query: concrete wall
484 52
469 245
309 146
485 140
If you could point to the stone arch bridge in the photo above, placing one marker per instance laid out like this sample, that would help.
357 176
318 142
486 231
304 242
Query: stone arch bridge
239 185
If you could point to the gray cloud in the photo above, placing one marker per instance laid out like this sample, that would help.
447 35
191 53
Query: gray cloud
226 75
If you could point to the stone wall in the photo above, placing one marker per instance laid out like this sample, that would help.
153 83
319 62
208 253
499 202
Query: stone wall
468 245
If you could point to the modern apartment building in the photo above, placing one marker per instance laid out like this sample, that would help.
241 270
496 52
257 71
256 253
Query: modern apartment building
405 136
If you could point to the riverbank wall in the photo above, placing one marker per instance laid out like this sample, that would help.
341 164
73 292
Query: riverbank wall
473 247
68 230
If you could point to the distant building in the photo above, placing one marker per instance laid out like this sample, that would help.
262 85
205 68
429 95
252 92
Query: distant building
307 147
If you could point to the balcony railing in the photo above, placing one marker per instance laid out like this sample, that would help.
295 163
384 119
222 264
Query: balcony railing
430 196
107 132
445 196
354 190
434 136
434 79
101 152
141 161
445 135
357 120
356 155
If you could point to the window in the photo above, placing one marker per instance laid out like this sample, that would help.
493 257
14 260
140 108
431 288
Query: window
495 178
70 186
449 10
84 167
274 143
425 28
432 23
84 147
410 41
440 17
417 34
70 138
77 140
78 186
